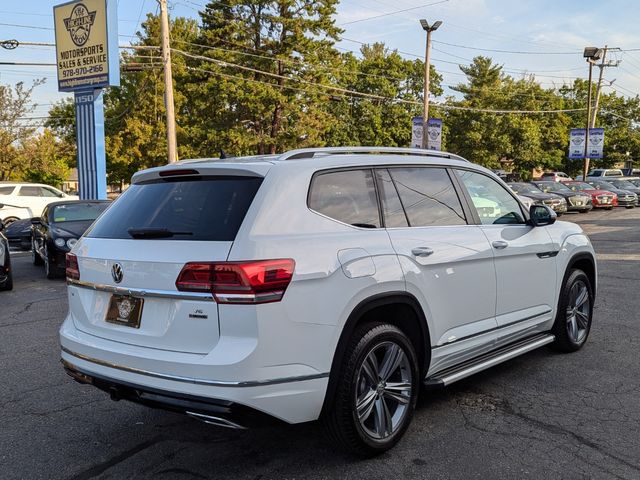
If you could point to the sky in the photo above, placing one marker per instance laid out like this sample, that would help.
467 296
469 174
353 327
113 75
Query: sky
548 36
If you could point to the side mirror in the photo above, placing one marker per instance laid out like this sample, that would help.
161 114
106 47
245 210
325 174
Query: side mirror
542 215
1 205
36 221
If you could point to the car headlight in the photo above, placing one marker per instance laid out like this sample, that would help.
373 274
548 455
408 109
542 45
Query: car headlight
59 242
71 242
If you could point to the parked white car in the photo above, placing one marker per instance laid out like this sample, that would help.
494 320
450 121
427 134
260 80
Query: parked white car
328 284
27 200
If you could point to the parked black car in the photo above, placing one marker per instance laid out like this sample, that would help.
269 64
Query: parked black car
58 229
18 233
625 184
576 201
556 202
6 276
625 197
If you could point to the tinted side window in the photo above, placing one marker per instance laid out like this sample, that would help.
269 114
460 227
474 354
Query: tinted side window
391 206
428 196
30 192
348 196
492 202
6 190
47 192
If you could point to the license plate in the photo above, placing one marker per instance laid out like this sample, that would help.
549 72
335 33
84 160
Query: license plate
605 200
125 310
578 203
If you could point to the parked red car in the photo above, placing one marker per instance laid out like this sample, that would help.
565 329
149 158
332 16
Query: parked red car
599 198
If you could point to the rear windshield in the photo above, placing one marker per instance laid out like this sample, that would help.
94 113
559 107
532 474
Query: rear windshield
202 208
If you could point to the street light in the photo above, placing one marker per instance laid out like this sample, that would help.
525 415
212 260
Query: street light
425 111
591 54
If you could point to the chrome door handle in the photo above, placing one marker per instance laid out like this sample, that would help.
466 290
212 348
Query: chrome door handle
500 244
421 251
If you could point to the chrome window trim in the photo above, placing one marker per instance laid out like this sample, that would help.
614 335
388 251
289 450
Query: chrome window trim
142 293
195 381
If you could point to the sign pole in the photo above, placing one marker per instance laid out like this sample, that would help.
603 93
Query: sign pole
92 164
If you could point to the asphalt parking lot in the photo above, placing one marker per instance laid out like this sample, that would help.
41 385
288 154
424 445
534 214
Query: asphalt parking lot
543 415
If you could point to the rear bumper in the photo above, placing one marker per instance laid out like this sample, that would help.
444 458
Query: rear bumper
164 379
210 410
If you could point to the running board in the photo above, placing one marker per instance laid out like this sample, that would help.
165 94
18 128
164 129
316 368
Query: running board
488 360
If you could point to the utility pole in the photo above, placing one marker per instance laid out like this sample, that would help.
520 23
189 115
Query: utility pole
172 154
427 62
592 55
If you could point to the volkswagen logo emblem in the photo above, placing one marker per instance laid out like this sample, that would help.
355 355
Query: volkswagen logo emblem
117 273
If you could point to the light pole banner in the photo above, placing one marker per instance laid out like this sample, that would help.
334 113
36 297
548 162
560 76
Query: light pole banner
577 139
434 129
416 132
86 44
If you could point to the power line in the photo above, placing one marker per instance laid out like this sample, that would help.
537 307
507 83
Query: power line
518 52
392 13
35 27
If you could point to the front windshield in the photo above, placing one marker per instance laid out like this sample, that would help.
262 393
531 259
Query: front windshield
604 186
624 184
524 188
580 186
553 187
77 212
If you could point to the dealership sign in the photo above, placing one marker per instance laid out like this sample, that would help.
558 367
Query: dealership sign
416 132
577 140
434 133
87 59
86 45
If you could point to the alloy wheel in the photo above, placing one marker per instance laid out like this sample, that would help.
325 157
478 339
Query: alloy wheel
383 391
578 312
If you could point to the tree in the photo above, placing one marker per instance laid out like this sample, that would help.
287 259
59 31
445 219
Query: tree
268 104
363 120
14 128
45 159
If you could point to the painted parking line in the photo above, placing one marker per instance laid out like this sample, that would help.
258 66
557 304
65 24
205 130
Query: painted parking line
620 257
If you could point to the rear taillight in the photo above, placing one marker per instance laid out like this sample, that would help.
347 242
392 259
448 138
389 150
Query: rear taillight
73 272
260 281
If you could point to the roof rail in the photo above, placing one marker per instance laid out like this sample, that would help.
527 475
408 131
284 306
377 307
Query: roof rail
325 151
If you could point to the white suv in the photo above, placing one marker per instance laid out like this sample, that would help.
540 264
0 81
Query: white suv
27 200
329 283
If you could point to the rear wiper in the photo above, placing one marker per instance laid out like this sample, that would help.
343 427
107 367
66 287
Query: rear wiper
141 233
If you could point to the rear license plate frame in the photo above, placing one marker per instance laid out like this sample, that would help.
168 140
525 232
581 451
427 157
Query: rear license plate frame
125 310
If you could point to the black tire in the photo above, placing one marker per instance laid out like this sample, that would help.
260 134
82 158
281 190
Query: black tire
36 259
8 282
341 420
572 331
630 206
51 271
584 211
609 208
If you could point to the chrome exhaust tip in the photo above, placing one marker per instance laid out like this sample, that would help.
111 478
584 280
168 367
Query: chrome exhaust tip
217 421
